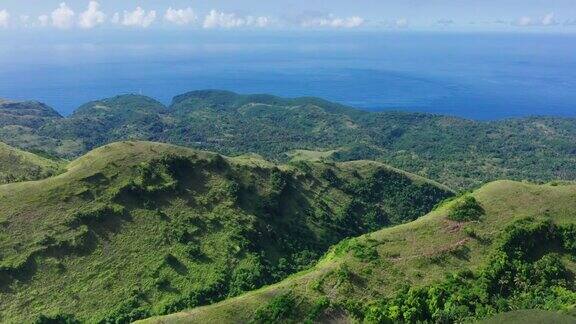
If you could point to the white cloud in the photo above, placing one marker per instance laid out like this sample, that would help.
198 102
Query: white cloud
258 21
92 17
332 21
401 23
4 18
115 18
63 17
570 22
217 19
139 18
523 21
180 16
25 20
43 20
547 20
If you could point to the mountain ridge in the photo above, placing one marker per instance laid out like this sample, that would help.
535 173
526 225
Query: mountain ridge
461 153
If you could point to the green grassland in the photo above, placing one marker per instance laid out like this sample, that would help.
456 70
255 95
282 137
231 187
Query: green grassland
463 154
433 268
17 165
137 229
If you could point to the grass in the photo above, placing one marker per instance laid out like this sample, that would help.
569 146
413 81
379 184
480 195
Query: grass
307 155
17 165
416 254
136 229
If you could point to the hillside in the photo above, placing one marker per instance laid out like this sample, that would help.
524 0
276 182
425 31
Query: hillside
17 165
506 246
461 153
137 229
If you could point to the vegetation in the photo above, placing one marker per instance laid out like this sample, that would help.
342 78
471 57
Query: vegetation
137 229
17 165
431 270
297 227
465 209
512 279
460 153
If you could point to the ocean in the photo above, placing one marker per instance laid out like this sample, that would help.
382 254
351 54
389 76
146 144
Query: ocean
479 76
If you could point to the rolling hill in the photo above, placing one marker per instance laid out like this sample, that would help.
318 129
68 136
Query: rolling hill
504 247
17 165
136 229
461 153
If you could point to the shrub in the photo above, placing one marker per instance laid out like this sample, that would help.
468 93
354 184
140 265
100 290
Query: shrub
465 209
319 306
278 308
57 319
512 279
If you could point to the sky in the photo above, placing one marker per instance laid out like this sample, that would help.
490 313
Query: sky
427 15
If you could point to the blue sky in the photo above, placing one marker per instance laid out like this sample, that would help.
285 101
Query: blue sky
433 15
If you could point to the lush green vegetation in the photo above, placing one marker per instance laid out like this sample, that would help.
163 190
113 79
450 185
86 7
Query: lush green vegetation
460 153
134 230
17 165
137 229
465 209
522 256
516 277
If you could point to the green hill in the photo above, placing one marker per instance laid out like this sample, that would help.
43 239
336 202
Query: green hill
17 165
461 153
119 118
137 229
506 246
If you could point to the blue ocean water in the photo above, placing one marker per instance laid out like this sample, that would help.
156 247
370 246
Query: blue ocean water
479 76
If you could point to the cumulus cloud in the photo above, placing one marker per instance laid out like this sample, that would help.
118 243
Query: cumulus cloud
217 19
92 17
258 21
180 16
139 18
401 23
4 18
115 18
63 17
25 20
547 20
43 20
332 21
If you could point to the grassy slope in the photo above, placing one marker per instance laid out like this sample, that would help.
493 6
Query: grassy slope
417 253
17 165
194 225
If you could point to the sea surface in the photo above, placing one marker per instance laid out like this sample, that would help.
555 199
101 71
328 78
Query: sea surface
478 76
